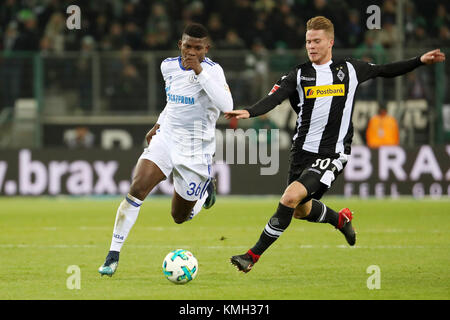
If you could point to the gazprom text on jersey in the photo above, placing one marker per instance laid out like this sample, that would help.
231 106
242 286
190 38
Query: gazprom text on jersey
180 99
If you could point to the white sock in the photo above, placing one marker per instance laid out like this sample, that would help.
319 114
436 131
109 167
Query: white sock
198 206
126 216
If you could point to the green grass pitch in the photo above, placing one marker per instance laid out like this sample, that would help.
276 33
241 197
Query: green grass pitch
409 240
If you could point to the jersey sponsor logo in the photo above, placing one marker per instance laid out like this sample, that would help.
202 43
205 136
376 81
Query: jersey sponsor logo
324 91
180 99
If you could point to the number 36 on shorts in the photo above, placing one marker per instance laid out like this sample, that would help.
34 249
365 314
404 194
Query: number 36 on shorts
195 189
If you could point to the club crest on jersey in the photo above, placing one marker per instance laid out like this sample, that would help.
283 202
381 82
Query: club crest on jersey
193 78
324 91
341 75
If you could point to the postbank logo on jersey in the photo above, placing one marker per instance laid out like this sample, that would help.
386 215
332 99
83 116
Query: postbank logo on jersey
324 91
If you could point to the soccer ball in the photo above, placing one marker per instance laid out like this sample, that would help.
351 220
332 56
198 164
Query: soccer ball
180 266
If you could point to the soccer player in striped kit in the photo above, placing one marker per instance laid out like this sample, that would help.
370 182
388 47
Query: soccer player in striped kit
322 92
182 142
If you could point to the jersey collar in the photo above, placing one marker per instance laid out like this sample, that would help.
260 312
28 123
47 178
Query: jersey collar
322 66
181 65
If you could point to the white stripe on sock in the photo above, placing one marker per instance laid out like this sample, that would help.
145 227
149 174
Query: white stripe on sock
324 210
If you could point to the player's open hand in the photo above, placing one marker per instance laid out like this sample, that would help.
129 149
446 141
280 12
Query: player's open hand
433 56
238 114
151 133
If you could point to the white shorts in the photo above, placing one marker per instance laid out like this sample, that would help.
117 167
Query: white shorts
191 175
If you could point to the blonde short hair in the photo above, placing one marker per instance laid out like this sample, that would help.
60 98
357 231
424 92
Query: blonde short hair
321 23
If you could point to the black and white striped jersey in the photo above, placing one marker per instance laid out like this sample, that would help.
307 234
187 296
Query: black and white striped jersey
323 97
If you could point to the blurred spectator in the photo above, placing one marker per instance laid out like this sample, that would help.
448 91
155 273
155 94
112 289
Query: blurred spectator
215 27
113 23
256 69
8 12
159 19
198 11
241 15
444 37
79 137
10 36
101 27
319 8
410 18
354 29
132 35
294 35
382 130
84 72
371 50
441 19
54 32
260 31
388 10
28 39
129 92
416 87
281 61
232 41
388 35
419 33
115 39
10 67
19 65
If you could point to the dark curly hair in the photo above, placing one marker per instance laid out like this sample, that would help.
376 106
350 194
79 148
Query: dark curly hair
196 30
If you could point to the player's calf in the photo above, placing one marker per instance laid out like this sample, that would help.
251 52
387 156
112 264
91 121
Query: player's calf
181 208
320 213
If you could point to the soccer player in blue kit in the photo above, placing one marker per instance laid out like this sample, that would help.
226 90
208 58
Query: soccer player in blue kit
182 142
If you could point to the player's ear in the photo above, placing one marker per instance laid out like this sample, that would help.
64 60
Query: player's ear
179 44
331 42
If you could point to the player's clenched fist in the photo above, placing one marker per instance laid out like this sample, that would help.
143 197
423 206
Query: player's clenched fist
192 62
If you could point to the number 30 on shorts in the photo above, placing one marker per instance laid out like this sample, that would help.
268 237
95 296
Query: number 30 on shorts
322 163
194 189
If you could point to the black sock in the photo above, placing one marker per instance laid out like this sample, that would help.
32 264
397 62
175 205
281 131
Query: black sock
113 255
320 213
274 228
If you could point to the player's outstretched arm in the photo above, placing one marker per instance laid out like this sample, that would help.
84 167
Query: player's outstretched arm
367 71
238 114
432 57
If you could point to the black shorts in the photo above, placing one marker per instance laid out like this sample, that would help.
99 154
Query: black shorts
308 168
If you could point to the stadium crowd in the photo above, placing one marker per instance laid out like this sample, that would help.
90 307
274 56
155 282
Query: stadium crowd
31 25
131 26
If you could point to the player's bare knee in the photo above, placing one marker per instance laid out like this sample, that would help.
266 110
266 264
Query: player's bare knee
138 191
178 218
290 199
